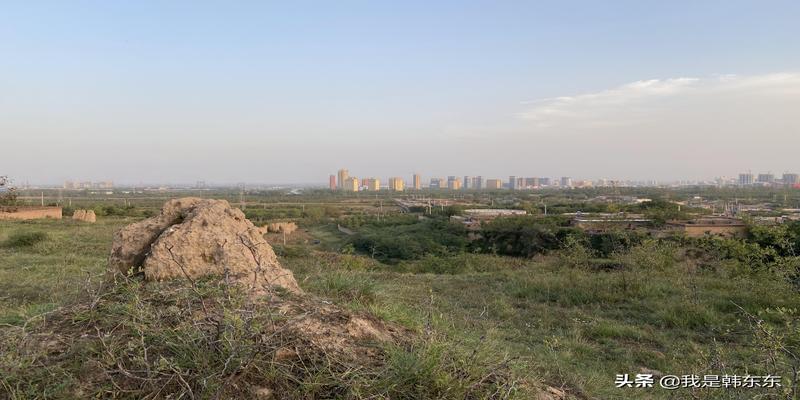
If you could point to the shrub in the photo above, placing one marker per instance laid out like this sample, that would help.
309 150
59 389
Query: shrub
25 239
410 241
575 254
521 236
650 255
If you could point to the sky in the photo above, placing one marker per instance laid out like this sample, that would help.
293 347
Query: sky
289 92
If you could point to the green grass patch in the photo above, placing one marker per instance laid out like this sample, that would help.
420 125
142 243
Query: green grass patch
25 239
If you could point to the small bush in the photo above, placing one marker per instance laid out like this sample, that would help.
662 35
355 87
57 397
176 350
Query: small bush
25 239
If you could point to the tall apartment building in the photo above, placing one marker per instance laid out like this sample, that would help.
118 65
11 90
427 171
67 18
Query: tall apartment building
467 182
531 183
332 182
343 176
566 181
745 179
477 182
492 184
766 178
454 183
350 184
373 184
791 179
437 183
512 182
396 184
544 181
417 181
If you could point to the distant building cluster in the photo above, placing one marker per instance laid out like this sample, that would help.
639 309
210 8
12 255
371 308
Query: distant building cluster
73 185
342 181
762 179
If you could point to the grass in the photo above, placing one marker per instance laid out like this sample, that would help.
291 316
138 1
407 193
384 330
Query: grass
25 239
576 328
345 285
520 323
70 338
43 274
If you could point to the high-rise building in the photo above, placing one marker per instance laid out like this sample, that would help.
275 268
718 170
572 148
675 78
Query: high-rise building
566 181
531 183
512 182
492 184
417 181
791 179
350 184
477 182
467 182
766 178
396 184
745 179
372 184
437 183
343 176
544 181
332 182
454 183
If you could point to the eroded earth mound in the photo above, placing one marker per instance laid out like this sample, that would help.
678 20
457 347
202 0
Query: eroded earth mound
84 216
194 237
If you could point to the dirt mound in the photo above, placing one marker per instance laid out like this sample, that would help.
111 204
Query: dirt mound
84 216
281 227
194 237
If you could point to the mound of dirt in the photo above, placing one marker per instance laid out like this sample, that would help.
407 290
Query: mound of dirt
194 237
281 227
84 216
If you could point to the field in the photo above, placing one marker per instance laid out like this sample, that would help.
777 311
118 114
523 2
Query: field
547 321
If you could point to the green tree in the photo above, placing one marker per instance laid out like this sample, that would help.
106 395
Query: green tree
8 193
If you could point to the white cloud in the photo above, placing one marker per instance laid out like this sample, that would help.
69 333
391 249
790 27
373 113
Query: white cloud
638 101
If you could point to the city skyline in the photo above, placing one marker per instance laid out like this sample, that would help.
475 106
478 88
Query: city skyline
756 176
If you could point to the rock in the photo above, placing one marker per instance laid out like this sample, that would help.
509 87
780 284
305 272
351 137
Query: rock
551 393
262 393
194 237
281 227
84 215
284 354
132 243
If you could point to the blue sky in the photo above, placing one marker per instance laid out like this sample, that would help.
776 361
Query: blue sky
291 91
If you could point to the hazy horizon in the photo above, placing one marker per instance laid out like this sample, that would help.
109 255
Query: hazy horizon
226 93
